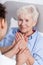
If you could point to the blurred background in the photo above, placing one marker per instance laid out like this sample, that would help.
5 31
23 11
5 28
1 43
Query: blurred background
30 1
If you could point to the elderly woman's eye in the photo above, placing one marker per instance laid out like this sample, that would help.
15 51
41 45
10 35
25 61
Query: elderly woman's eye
20 20
27 20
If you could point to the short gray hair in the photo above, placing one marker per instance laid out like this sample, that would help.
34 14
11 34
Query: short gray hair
31 9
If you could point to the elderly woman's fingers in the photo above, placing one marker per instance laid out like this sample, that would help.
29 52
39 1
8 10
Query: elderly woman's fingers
17 37
23 51
21 35
16 48
21 41
26 38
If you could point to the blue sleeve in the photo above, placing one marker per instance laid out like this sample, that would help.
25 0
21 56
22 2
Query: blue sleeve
38 52
8 39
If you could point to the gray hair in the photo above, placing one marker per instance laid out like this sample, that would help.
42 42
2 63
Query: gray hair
31 10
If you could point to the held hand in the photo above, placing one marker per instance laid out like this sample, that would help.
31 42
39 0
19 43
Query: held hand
20 43
21 40
22 57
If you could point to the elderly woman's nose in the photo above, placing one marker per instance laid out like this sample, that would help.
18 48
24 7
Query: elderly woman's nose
23 22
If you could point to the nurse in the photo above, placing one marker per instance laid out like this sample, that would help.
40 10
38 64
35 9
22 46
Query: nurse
6 40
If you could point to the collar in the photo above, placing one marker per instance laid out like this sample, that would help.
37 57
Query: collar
34 35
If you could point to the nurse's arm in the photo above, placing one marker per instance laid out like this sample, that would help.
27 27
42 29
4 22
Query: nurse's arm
13 51
6 49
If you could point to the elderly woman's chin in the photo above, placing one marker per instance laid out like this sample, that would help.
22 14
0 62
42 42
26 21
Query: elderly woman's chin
23 30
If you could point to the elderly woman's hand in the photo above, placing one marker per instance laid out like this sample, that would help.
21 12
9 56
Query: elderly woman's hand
22 57
21 40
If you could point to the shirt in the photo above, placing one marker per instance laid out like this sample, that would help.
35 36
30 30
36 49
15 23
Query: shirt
9 38
35 44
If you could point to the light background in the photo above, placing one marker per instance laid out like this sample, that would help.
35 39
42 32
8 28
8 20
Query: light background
30 1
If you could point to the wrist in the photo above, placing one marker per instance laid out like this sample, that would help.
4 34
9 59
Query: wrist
31 60
27 62
19 64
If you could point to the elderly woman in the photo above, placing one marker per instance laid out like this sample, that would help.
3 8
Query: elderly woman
33 53
29 42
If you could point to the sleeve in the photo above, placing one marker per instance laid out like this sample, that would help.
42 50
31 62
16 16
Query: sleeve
8 39
6 61
38 53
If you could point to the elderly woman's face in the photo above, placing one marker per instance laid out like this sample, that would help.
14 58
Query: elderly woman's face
25 23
